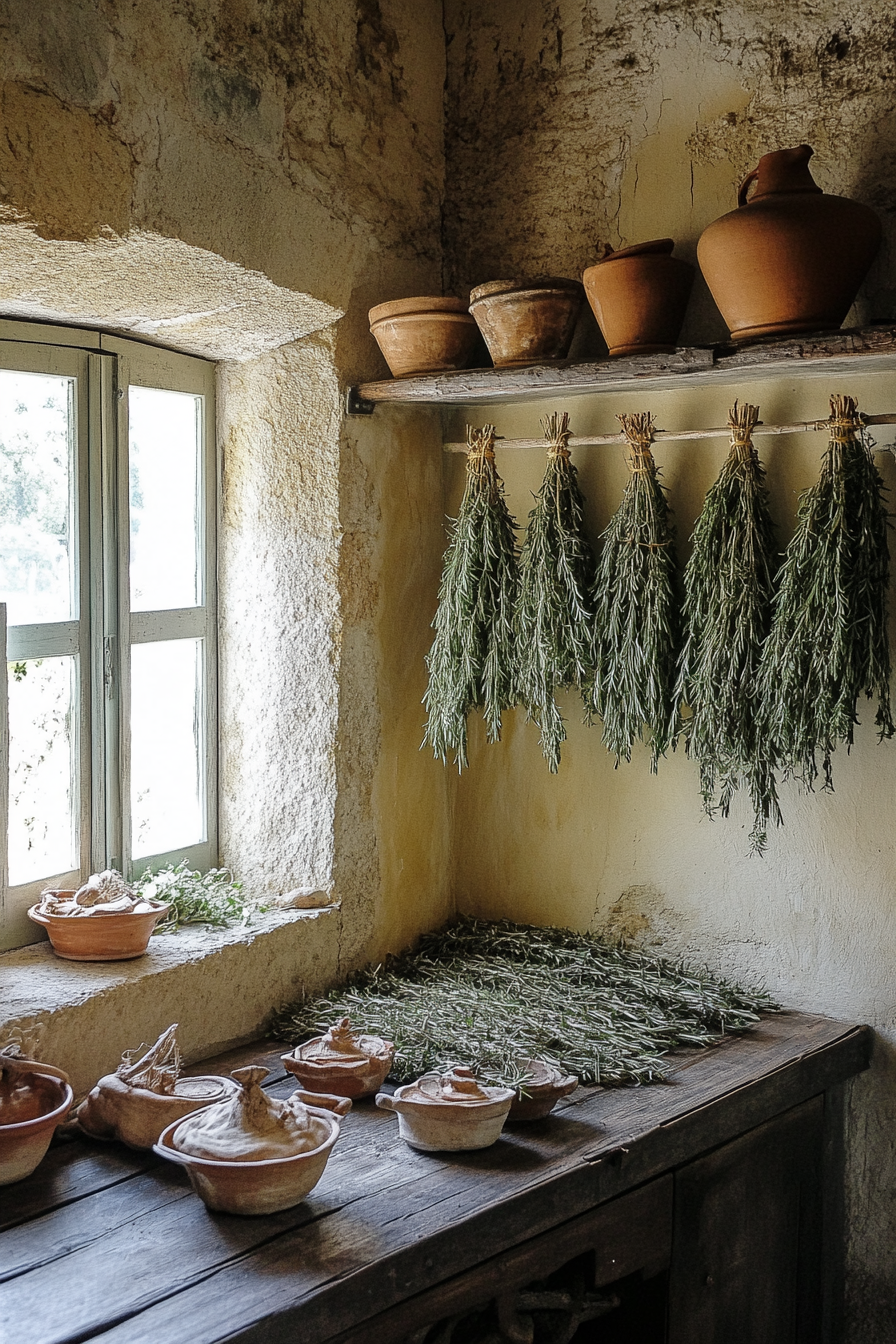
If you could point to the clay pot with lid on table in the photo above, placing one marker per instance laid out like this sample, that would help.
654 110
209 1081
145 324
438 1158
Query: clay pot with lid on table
341 1062
527 321
791 257
639 296
255 1154
34 1099
432 334
537 1095
449 1112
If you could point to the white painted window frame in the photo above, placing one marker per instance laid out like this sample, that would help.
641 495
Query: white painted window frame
104 368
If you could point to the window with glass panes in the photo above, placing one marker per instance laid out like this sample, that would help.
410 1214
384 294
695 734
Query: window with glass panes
107 533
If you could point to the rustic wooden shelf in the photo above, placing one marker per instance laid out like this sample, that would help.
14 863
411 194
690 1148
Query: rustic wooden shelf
826 354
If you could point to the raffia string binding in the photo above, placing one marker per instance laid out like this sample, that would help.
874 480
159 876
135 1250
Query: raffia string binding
828 644
471 662
728 593
636 641
554 615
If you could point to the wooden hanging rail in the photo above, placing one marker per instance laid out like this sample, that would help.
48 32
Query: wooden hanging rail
724 432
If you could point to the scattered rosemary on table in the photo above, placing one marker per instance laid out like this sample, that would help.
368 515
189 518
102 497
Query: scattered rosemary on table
829 640
490 994
553 617
472 659
728 593
636 641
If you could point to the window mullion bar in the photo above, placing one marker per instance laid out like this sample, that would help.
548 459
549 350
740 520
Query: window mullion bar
4 769
107 649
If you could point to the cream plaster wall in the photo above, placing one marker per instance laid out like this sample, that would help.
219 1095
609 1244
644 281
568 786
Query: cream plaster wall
234 179
573 124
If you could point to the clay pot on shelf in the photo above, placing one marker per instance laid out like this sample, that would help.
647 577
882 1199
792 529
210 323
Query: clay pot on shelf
527 322
543 1087
425 335
790 258
639 296
341 1062
100 936
449 1112
34 1099
143 1097
254 1154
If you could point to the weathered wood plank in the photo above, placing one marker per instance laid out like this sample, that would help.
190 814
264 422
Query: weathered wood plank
627 1234
342 1269
70 1172
835 353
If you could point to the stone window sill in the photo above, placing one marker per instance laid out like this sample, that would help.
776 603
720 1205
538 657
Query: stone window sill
219 985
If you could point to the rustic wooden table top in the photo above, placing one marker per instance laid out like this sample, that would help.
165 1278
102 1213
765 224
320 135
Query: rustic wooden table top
105 1243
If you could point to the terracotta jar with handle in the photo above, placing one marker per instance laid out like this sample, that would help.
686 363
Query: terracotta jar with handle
790 258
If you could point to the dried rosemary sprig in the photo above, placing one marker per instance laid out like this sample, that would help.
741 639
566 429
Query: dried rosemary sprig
553 616
636 642
488 995
472 659
729 585
828 642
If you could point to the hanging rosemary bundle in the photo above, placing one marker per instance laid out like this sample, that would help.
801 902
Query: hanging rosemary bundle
553 615
728 586
828 641
636 611
472 659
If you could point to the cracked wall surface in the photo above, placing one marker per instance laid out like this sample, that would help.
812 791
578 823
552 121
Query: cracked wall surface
576 123
243 179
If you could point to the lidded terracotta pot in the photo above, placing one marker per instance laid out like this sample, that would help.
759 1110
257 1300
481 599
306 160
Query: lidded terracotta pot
255 1154
639 296
790 258
424 335
341 1062
542 1088
527 322
34 1099
449 1112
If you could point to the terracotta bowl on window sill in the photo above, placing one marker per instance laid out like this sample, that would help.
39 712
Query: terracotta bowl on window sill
100 937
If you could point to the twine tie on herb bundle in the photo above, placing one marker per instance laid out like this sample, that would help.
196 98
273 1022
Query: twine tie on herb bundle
828 642
471 662
636 610
728 586
553 618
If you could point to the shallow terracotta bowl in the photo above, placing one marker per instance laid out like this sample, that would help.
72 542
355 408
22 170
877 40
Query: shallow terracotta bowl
99 937
425 335
23 1145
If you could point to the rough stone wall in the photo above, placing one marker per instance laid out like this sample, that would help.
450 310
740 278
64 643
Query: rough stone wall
233 178
573 124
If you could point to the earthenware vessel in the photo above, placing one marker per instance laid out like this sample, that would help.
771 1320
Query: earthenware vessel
254 1154
790 258
639 296
341 1062
425 335
143 1097
540 1091
34 1099
527 322
103 935
449 1112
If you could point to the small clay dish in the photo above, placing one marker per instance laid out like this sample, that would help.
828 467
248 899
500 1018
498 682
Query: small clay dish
527 321
34 1099
260 1187
543 1087
449 1112
100 937
341 1063
425 335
